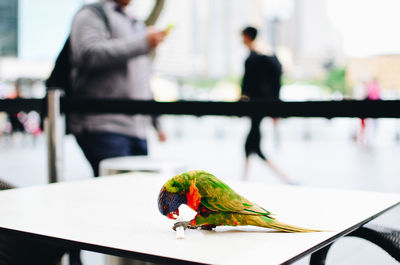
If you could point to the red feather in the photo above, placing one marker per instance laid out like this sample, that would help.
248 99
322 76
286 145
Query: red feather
193 197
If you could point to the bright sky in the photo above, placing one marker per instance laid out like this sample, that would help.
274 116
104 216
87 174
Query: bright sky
367 26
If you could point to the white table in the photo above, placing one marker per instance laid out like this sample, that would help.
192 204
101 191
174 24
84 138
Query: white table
118 215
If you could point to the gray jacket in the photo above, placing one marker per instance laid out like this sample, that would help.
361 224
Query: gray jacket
114 64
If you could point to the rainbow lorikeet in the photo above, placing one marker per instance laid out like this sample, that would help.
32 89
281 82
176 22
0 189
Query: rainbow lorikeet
216 204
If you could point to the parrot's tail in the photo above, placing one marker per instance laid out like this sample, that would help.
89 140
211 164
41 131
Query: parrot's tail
264 221
289 228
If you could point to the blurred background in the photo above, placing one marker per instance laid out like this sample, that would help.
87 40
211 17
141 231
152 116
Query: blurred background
329 49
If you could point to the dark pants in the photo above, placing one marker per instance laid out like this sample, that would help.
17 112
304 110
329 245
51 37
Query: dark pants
101 145
253 140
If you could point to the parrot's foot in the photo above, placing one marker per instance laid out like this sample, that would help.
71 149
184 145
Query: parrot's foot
184 224
207 227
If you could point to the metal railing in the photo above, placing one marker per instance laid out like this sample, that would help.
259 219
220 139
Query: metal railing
271 108
54 134
54 105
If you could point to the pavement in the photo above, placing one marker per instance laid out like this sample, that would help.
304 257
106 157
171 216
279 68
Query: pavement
312 152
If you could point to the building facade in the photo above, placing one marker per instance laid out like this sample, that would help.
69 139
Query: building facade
206 42
8 28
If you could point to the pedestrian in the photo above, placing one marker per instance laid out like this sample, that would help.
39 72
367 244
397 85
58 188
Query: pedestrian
372 92
111 59
261 81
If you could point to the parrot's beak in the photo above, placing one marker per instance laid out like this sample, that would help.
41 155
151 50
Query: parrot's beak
173 215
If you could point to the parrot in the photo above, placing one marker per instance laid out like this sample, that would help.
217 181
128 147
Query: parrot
215 204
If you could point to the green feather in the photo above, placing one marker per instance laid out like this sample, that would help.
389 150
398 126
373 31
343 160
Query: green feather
223 206
215 195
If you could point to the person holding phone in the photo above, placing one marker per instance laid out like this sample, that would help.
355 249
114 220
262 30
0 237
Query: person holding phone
112 60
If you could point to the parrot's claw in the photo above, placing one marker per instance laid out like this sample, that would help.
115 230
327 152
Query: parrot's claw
184 224
207 227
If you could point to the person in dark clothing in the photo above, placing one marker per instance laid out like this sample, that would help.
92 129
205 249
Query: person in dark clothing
261 80
262 77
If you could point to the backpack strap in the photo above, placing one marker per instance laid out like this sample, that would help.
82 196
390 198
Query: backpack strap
98 8
60 75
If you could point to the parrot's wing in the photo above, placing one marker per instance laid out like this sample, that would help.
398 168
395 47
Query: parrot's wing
218 196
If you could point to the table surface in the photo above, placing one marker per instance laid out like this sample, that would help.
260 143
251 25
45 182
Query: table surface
119 215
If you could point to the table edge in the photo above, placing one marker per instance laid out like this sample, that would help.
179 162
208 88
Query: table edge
71 244
331 240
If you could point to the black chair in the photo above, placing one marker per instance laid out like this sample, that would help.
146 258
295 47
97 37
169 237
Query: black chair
386 238
19 251
5 186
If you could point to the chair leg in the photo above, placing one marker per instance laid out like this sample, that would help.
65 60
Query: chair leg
75 257
386 238
319 257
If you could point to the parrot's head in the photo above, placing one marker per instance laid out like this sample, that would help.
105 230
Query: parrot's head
169 202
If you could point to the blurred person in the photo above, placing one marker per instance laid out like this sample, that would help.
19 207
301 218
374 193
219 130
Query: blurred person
261 80
373 92
17 129
111 58
112 63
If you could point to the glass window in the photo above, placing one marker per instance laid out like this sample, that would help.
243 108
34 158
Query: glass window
8 27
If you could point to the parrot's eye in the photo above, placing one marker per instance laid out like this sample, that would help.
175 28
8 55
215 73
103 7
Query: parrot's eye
165 207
